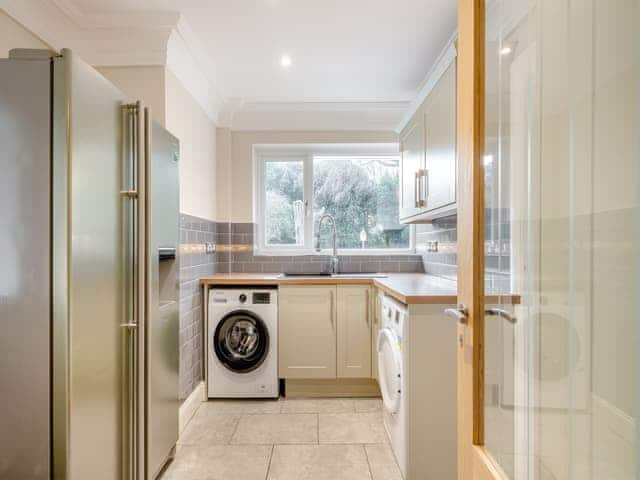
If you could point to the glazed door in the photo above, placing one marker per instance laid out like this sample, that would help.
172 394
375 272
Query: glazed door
548 251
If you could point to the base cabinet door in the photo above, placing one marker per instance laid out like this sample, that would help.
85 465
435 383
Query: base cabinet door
307 332
354 331
375 330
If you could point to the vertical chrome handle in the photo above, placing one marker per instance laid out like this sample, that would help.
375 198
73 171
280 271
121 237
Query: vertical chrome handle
421 187
332 307
132 196
425 186
416 190
367 306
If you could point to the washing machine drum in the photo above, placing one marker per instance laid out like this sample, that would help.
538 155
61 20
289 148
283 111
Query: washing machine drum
241 341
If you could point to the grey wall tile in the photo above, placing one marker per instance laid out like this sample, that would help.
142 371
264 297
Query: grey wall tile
194 263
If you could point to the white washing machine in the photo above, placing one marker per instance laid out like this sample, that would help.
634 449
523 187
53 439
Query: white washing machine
242 341
392 379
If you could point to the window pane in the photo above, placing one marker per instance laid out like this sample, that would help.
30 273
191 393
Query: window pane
362 194
284 204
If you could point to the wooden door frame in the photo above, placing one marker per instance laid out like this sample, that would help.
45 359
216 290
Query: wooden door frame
474 462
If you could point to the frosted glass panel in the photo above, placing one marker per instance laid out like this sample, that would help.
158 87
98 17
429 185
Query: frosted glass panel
561 172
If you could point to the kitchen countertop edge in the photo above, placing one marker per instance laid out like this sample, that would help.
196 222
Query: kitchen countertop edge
407 288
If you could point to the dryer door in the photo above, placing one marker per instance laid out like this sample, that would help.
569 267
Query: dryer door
241 341
390 369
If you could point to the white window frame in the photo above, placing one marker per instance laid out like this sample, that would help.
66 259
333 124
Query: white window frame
304 154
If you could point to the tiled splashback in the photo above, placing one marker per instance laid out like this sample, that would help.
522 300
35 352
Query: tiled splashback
235 246
442 236
195 233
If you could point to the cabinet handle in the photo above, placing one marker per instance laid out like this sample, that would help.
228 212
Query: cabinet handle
421 188
425 186
332 309
368 301
416 190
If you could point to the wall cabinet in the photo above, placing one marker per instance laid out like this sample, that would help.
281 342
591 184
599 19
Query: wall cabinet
325 332
307 332
428 154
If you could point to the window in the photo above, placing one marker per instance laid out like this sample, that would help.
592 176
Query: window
361 192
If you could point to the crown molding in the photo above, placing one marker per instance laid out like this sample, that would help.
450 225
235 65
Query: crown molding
314 115
166 39
187 60
445 59
158 38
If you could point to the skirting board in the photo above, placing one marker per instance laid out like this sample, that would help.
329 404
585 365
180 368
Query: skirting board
190 406
343 387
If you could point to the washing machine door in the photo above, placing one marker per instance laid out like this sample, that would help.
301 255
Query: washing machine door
390 369
241 341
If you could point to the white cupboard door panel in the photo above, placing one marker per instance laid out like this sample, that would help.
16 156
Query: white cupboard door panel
439 184
307 332
412 161
354 331
375 329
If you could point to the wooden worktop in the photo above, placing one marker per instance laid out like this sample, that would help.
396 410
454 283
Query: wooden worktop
407 288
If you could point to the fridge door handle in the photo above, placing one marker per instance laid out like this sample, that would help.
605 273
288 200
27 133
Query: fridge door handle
132 195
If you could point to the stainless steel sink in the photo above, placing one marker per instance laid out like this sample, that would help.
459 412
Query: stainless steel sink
359 275
303 275
332 275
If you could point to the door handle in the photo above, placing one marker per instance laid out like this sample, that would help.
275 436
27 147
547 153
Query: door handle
500 312
460 313
416 189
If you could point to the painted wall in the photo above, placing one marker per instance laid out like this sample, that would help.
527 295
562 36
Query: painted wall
14 35
240 178
197 134
224 172
146 83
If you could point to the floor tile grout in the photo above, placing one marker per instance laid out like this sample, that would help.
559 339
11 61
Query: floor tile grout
235 429
273 447
238 419
366 454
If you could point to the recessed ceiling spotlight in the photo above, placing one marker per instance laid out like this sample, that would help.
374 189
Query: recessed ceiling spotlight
506 50
285 61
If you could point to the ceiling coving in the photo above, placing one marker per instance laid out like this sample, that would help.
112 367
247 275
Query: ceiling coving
362 57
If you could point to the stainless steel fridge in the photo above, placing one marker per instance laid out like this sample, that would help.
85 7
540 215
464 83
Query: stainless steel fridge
89 232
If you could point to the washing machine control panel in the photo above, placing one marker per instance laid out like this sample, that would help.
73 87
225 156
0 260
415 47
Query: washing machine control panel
243 297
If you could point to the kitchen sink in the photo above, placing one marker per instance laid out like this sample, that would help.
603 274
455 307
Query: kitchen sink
333 275
303 275
359 275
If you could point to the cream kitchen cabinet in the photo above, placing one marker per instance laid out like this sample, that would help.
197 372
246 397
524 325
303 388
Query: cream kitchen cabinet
325 331
428 154
377 312
354 331
307 332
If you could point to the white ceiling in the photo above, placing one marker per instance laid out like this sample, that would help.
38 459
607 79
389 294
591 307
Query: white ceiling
342 50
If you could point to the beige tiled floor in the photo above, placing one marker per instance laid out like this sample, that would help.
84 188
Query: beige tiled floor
314 439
